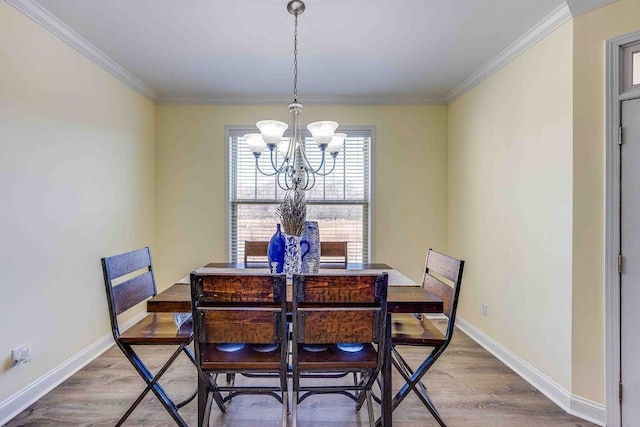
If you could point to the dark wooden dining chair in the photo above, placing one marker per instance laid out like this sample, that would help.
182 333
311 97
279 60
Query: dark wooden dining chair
240 327
338 309
334 254
443 276
138 284
255 252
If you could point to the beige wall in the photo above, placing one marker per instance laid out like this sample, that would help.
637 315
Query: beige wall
591 31
76 184
510 212
410 174
509 177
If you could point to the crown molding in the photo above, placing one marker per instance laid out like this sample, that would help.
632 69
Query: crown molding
307 101
44 18
578 7
48 21
555 19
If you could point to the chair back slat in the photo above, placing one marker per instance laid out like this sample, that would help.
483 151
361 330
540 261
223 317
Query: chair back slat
443 265
119 265
339 288
334 253
333 326
239 288
442 291
133 292
255 252
241 324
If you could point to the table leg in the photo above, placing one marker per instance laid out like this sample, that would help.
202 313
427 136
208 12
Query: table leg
386 408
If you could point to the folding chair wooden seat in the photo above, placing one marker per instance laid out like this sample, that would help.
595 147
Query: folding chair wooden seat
332 309
137 285
417 330
247 311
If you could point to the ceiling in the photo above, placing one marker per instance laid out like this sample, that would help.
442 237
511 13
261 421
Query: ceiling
350 51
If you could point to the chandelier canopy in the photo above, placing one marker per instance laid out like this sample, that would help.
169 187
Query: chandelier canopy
295 172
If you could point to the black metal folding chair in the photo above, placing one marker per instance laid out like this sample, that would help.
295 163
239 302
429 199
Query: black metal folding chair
240 327
417 330
155 329
338 312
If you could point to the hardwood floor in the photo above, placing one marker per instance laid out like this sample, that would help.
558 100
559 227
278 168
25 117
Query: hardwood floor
468 385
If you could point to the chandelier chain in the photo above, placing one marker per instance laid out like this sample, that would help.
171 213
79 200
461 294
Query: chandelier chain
295 58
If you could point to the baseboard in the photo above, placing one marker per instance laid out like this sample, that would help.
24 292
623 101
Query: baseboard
574 405
17 403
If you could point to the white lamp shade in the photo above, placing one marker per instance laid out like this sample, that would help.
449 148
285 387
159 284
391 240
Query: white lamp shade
272 130
337 142
283 147
255 142
322 131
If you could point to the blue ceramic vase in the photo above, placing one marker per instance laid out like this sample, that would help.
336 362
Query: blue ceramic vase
275 251
292 255
310 258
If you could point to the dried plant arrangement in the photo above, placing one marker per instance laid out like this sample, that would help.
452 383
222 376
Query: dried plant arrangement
293 212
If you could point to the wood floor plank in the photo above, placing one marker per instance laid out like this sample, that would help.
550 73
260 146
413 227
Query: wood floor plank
469 386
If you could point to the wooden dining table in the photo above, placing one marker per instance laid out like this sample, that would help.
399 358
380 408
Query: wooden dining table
403 296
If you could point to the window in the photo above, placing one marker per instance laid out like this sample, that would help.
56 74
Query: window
340 201
630 64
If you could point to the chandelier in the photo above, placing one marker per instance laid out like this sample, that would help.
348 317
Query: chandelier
295 171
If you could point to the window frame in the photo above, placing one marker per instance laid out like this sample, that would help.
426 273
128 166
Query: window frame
626 70
244 129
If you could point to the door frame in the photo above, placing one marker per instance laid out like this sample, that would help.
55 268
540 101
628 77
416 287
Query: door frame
615 94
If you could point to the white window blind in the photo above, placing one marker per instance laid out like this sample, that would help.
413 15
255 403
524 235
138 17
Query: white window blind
339 202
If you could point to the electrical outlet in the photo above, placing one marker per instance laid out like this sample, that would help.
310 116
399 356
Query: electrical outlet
21 354
484 309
